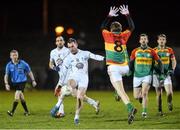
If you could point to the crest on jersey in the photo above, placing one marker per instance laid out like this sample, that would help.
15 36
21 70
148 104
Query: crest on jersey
80 65
59 61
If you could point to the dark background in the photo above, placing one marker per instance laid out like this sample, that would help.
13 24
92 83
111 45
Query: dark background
21 28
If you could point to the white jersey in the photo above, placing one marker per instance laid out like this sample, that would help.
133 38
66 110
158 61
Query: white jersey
78 63
58 56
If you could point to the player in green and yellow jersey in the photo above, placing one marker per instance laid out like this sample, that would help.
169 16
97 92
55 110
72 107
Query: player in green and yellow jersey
169 62
141 62
116 53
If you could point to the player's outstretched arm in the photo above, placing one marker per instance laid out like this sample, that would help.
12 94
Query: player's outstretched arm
112 13
125 11
96 57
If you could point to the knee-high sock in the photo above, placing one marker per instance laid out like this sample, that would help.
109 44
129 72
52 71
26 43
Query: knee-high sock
15 103
169 98
24 105
58 104
159 103
91 102
61 109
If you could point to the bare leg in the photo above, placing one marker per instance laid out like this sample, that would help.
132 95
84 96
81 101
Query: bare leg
159 100
169 93
15 103
79 103
145 89
118 85
137 92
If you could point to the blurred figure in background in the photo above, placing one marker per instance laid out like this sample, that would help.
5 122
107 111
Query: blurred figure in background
141 63
168 59
57 56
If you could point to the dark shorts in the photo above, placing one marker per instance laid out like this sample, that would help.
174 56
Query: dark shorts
19 86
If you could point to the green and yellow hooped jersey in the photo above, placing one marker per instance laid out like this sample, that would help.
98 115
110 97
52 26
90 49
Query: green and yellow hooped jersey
143 61
165 55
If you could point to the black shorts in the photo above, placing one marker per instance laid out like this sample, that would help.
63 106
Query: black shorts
19 86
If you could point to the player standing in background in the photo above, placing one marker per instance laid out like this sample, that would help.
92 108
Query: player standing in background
168 59
17 71
78 79
57 57
116 54
141 62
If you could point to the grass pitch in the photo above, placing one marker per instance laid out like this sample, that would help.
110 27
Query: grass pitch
113 114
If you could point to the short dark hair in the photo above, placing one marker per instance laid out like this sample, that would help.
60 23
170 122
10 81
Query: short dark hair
116 27
161 35
143 35
13 51
71 40
60 37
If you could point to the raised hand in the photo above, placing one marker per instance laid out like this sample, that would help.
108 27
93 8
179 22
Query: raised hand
113 11
124 9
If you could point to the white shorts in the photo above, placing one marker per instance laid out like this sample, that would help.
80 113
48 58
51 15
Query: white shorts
116 72
137 81
63 76
167 80
81 79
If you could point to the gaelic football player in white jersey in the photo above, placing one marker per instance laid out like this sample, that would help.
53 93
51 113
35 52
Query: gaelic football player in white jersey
77 61
57 56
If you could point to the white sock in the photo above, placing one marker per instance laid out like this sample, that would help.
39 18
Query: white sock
59 102
76 116
61 109
91 102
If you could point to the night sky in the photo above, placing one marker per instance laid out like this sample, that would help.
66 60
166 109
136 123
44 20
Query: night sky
26 16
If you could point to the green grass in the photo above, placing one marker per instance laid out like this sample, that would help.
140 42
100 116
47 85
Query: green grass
113 115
